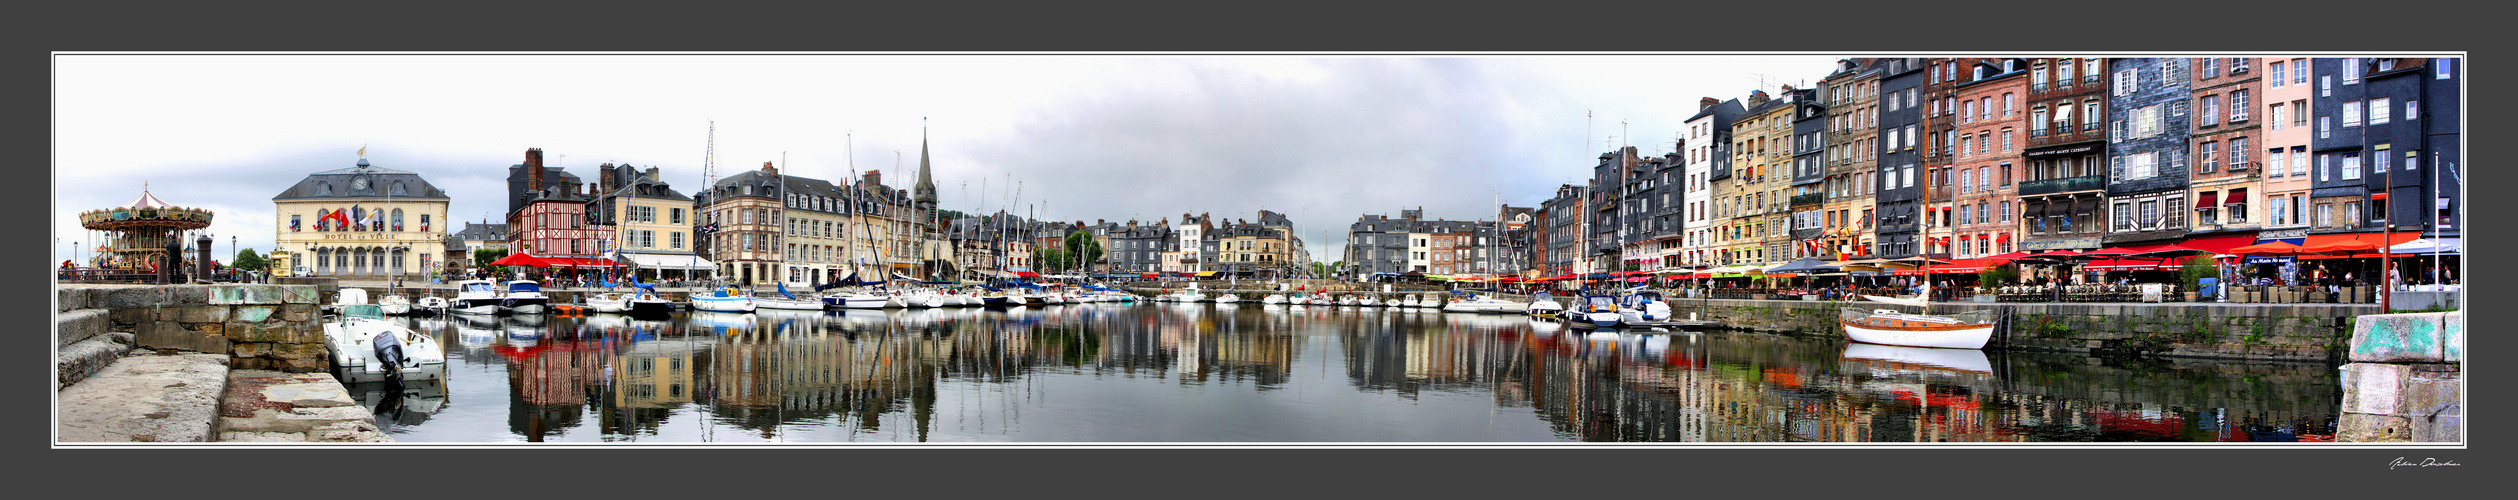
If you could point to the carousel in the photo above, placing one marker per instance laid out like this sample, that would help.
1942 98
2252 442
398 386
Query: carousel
138 234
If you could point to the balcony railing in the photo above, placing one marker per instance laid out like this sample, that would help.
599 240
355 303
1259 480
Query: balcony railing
1809 199
2063 185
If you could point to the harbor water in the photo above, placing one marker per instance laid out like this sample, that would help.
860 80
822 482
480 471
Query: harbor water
1250 373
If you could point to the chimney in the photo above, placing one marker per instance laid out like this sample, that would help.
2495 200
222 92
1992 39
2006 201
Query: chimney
1787 89
1757 97
1707 103
874 178
605 173
767 167
654 175
533 170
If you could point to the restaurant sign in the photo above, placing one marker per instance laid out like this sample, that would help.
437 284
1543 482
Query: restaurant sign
2059 244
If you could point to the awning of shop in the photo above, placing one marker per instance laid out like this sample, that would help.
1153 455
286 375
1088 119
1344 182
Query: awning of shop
1203 274
1150 275
1638 279
2219 244
2208 200
2237 196
2344 245
670 262
2442 245
1966 266
2129 265
580 263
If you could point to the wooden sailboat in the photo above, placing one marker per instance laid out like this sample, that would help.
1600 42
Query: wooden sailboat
1891 327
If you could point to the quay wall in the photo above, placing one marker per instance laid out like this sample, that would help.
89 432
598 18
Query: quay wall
265 327
2404 382
2300 332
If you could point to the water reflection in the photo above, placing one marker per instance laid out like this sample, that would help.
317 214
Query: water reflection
1215 373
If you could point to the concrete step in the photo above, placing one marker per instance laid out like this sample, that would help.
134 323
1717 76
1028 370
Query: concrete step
270 406
81 360
76 325
146 398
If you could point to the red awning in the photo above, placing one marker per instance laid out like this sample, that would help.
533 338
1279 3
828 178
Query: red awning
2130 265
2002 238
2269 248
1027 274
2349 246
2219 244
2237 196
1965 266
2208 200
1149 275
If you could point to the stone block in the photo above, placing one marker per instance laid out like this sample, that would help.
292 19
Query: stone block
2374 388
131 316
168 335
2434 403
2455 324
208 328
298 294
2398 338
298 312
302 365
132 297
77 361
2364 428
201 314
188 294
246 295
258 332
149 398
69 298
252 314
74 326
122 338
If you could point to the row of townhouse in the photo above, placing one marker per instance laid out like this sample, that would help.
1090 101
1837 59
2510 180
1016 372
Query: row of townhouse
1971 157
1380 246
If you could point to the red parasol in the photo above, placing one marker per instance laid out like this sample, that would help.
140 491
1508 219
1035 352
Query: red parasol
521 259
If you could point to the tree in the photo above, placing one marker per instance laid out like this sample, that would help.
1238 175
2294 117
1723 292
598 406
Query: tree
1084 250
1053 258
481 258
250 261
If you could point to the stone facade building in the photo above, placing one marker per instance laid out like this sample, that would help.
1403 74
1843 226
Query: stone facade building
2149 116
391 223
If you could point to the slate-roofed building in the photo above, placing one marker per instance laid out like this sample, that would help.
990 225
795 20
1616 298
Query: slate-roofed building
364 221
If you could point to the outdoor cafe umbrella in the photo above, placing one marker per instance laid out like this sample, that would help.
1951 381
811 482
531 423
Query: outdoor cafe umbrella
521 259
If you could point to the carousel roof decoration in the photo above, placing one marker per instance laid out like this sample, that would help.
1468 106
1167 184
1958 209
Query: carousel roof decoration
146 212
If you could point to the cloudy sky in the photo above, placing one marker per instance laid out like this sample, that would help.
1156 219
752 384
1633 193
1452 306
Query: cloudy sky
1323 139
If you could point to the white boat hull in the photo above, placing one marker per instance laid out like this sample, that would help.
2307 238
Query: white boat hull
354 353
723 304
1959 337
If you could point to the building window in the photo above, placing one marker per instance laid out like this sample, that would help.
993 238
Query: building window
2124 216
2211 157
2378 111
2211 112
2325 127
2351 71
2351 166
2351 214
2351 114
2273 157
677 240
2277 115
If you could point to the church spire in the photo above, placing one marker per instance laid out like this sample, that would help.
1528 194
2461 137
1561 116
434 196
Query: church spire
926 187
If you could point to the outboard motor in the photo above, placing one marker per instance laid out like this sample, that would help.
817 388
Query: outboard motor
389 354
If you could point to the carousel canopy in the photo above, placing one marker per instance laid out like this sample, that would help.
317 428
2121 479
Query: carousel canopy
145 212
